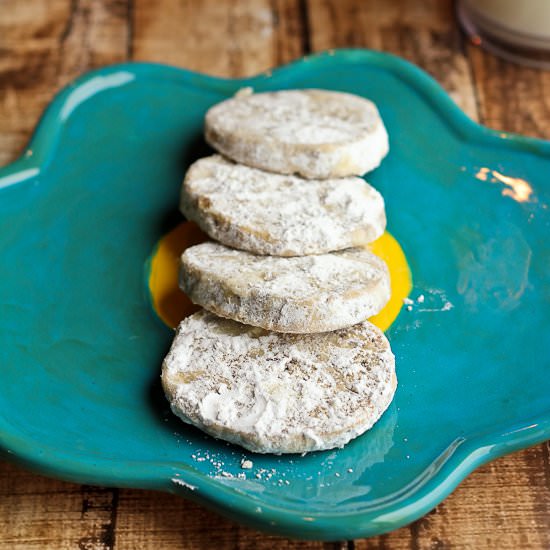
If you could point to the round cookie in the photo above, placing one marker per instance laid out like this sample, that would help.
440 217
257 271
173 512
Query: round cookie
278 393
314 133
301 294
280 215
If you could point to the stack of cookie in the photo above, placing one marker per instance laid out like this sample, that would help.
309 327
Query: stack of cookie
282 359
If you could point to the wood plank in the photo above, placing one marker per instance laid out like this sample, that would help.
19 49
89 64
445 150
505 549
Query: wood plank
421 31
148 520
230 39
37 512
41 513
44 44
511 98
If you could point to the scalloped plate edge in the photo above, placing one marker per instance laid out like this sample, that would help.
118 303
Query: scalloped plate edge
461 457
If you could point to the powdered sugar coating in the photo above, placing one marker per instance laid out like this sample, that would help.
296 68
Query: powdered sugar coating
278 393
314 133
301 294
280 215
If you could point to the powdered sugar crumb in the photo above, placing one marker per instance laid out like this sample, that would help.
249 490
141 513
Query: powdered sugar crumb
178 481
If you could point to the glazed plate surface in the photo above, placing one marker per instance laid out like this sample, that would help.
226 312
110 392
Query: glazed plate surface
81 347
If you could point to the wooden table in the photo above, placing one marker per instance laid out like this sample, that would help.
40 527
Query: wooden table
46 43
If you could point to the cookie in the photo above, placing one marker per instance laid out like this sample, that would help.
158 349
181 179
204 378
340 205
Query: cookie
280 215
301 294
317 134
278 393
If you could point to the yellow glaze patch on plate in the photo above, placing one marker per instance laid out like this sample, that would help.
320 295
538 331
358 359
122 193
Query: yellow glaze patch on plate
172 305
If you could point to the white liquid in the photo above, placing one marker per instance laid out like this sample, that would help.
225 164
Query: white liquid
521 22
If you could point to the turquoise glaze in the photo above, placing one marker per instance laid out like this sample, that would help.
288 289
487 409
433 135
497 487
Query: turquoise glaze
80 347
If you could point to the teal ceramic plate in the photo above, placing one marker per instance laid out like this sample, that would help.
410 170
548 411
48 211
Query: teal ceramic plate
81 348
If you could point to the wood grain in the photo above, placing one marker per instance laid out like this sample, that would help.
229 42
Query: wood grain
421 31
187 525
228 39
511 98
46 43
37 512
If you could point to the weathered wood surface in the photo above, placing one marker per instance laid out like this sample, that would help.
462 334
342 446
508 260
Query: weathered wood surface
46 43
